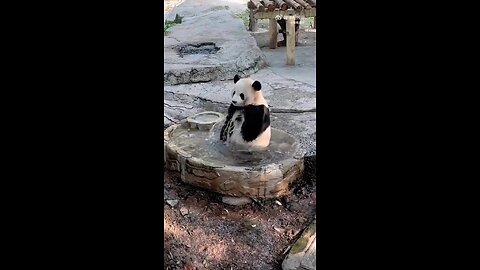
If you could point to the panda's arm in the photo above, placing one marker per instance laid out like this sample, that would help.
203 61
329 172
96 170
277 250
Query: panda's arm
231 110
223 132
257 120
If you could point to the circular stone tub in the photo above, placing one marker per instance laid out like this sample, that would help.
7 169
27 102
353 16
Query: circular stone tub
266 174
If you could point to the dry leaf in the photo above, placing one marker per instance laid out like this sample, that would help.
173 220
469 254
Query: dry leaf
278 229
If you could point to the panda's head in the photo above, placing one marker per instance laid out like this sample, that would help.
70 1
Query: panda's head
246 92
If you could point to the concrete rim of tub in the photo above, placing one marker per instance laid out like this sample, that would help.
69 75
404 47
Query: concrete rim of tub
266 181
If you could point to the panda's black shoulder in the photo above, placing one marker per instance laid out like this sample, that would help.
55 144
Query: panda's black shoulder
257 120
232 109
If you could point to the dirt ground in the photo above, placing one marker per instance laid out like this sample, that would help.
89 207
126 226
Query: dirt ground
201 232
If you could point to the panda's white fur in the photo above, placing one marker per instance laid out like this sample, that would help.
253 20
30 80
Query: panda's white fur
251 96
247 126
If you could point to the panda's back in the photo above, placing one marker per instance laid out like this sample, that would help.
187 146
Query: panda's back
249 125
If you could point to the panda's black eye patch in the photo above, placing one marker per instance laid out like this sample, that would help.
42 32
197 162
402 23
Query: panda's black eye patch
242 96
233 93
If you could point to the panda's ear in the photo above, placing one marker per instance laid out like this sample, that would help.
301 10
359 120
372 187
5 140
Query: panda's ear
257 85
236 78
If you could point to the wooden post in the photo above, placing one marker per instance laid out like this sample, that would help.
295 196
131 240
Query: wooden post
291 40
252 26
273 33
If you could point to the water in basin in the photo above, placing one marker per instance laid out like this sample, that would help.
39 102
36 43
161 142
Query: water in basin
207 145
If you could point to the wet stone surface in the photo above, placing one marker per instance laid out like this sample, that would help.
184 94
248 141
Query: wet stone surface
201 48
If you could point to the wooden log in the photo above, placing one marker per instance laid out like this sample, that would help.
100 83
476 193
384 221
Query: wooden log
294 4
255 5
252 22
290 40
269 5
304 4
306 13
273 33
312 3
281 5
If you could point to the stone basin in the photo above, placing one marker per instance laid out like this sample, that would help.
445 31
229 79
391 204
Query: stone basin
192 148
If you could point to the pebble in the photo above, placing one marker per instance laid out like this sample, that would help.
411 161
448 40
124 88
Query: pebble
237 201
183 211
172 203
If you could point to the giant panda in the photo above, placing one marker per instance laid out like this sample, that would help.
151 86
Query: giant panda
247 125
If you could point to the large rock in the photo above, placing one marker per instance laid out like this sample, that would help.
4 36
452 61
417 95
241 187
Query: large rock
302 254
237 52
